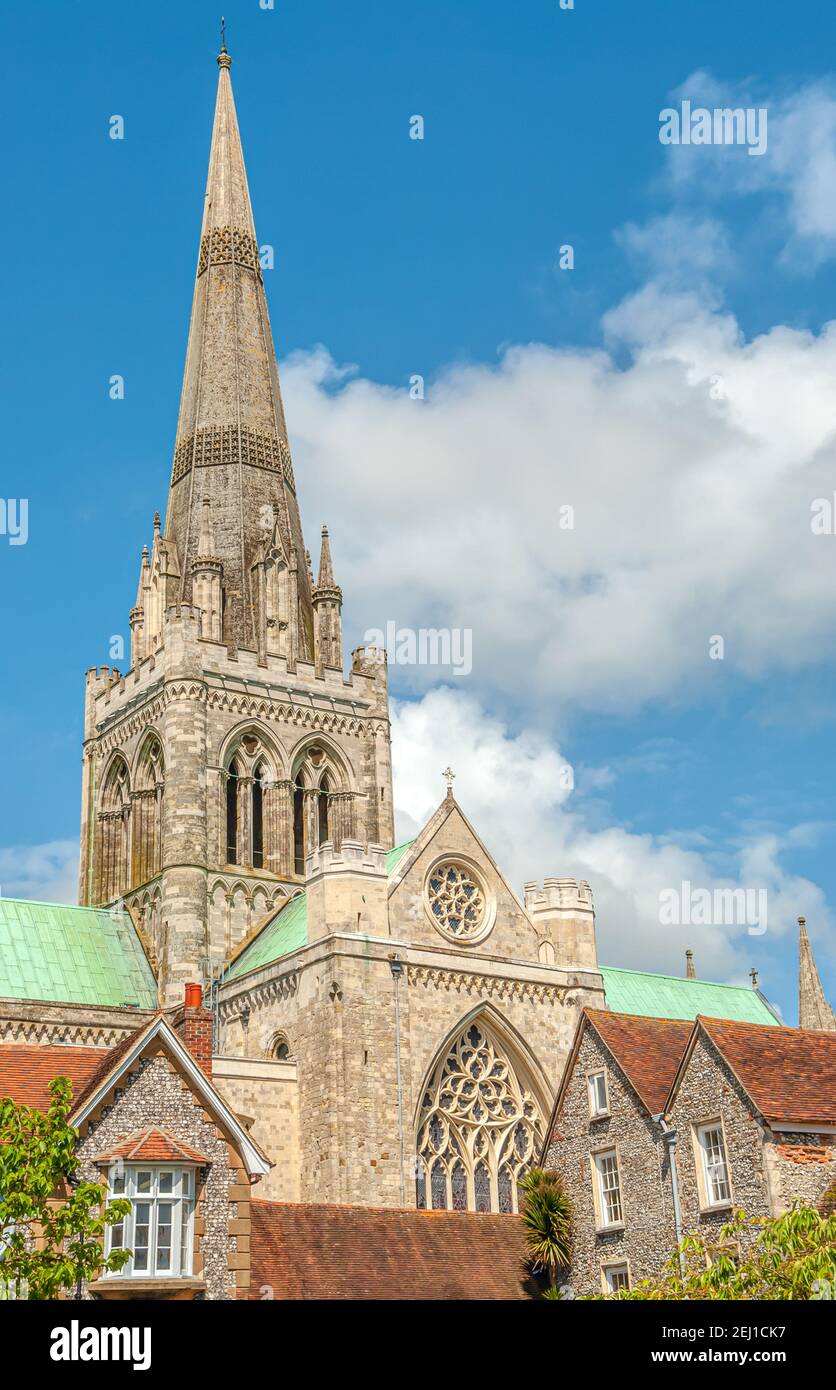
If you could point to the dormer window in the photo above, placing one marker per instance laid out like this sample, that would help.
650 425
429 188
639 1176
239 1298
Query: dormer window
159 1231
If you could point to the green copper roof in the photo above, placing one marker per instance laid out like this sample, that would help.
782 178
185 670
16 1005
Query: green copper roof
394 856
671 996
73 955
288 930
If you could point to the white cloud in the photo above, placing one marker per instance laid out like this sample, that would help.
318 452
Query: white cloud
508 787
44 873
692 470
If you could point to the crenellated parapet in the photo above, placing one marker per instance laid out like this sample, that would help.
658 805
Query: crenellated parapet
346 889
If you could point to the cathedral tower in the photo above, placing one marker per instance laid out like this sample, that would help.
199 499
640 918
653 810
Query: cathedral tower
233 746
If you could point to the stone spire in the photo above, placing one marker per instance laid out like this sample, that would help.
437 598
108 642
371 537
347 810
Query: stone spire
327 603
690 972
813 1009
231 444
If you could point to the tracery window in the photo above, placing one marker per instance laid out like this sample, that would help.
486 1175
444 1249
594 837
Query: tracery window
147 813
114 833
479 1130
456 899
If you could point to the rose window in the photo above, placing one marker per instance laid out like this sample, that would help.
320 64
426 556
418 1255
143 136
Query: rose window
456 900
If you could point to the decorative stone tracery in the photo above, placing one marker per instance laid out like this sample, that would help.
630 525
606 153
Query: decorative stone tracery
479 1130
222 245
456 900
226 444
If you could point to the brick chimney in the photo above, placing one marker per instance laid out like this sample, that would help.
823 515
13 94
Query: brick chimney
194 1026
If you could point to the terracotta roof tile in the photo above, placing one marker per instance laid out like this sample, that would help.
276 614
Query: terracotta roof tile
109 1061
331 1252
152 1145
648 1050
789 1073
25 1072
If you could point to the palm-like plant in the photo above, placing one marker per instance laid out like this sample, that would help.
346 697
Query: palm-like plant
547 1215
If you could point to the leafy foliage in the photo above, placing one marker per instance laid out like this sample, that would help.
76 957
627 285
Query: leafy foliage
789 1257
547 1217
51 1231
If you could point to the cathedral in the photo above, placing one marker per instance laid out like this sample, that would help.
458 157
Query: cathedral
237 799
389 1023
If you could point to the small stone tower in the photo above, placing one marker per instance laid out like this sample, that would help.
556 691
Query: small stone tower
233 746
562 912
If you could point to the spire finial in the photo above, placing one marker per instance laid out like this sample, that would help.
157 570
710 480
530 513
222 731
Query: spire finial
448 774
224 60
753 976
690 972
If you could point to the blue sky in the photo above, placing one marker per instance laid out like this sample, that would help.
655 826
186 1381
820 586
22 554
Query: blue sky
439 257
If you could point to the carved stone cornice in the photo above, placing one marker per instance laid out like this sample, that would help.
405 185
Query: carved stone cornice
41 1033
261 996
492 986
253 706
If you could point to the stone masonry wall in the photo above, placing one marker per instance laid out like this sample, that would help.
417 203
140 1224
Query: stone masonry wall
709 1091
155 1094
801 1167
267 1093
647 1234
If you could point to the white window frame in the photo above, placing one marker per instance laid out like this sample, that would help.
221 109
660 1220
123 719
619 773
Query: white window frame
603 1219
156 1186
597 1112
612 1271
707 1171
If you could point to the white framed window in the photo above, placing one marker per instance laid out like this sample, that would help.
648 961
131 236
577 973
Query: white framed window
608 1189
616 1277
716 1189
599 1103
159 1230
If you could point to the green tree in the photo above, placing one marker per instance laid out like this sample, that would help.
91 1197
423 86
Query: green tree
49 1241
789 1257
547 1217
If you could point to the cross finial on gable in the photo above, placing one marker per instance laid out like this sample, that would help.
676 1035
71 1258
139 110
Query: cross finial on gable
448 774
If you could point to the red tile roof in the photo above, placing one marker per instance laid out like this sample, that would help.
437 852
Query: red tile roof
25 1072
152 1145
329 1252
110 1061
648 1050
789 1073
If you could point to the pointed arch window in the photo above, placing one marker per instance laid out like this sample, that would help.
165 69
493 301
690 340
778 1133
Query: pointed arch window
299 829
146 831
114 833
232 813
261 777
322 808
479 1130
